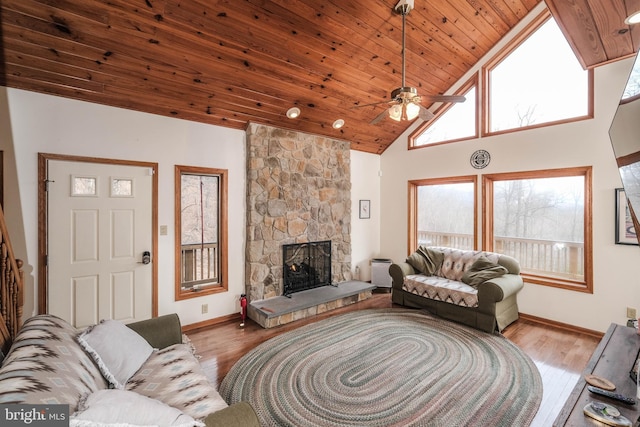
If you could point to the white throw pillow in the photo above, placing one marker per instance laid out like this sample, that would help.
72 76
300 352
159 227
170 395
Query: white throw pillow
122 408
117 350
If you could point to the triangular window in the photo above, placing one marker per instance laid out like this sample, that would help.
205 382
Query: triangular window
537 80
454 122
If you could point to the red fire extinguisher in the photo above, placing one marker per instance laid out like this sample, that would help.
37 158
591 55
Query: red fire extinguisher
243 309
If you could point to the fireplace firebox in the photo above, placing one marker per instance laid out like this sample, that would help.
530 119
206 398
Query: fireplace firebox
306 266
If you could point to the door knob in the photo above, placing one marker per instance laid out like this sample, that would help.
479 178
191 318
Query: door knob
146 257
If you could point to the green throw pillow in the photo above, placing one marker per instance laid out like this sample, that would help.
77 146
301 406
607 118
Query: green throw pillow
481 271
426 260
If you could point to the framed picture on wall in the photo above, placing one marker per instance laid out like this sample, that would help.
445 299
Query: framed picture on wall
625 231
365 209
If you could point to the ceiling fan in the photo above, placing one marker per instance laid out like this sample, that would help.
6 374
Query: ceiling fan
405 101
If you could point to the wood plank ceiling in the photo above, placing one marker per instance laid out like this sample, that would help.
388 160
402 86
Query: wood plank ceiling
229 63
595 29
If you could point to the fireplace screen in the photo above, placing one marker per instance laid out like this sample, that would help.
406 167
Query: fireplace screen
306 266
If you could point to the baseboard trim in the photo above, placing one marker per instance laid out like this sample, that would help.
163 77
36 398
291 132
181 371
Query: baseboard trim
560 325
211 322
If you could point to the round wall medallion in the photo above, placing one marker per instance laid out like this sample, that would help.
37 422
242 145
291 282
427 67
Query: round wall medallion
480 159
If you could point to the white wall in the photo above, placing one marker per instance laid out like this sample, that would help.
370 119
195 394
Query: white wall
48 124
365 233
584 143
31 123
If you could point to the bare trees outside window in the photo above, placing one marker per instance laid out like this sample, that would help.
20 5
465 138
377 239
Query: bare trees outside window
200 231
443 211
542 218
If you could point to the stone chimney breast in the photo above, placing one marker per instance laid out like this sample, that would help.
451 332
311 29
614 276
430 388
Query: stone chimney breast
298 190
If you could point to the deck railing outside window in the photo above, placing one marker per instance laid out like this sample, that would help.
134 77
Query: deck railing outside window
199 265
563 259
448 240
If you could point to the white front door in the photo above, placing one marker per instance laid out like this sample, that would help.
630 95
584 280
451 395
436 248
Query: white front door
99 228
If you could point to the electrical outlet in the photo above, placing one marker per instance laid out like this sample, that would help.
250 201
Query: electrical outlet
205 308
631 313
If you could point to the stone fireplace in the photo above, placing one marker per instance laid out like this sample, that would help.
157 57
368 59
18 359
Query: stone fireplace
298 191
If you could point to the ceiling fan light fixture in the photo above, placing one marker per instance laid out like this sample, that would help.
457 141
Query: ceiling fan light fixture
338 124
405 101
293 112
395 112
412 110
634 18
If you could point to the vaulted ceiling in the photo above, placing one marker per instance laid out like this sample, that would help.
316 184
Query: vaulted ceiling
233 62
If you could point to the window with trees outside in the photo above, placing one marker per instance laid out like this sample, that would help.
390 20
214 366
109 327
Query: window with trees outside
537 80
442 212
542 219
200 231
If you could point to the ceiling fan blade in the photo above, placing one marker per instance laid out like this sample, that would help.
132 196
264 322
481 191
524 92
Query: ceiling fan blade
379 117
444 98
425 114
374 103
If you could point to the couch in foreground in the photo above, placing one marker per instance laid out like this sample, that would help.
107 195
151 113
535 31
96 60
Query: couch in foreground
476 288
113 375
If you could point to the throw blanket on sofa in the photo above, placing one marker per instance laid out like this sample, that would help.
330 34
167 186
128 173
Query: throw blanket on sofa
446 284
441 289
47 366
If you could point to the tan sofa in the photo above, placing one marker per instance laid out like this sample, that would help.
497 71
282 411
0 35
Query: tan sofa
489 305
48 365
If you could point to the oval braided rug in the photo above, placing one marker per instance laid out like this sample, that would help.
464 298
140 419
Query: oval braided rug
386 367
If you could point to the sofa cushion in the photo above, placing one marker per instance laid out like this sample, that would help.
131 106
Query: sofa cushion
173 375
46 365
117 350
441 289
426 260
481 271
120 407
457 261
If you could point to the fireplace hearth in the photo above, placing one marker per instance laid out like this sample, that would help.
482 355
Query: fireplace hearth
306 266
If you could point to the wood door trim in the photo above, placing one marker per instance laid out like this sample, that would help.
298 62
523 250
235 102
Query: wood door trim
43 158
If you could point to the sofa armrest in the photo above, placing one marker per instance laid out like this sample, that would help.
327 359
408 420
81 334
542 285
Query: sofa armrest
398 272
499 288
160 332
239 414
510 263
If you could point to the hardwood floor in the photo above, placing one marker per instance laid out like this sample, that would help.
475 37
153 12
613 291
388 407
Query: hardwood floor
560 355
